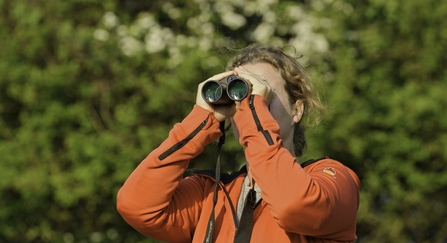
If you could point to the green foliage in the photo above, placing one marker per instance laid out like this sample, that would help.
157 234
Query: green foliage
67 106
89 88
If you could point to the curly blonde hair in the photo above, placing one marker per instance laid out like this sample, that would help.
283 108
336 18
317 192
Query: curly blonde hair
298 84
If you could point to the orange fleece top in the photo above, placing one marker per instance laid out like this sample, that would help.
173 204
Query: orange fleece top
317 203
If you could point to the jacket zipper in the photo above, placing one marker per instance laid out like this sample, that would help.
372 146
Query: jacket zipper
258 123
183 142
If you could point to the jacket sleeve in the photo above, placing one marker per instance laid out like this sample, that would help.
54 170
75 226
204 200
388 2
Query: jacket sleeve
155 200
314 203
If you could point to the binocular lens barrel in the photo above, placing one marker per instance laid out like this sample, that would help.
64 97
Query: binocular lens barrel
212 91
226 91
237 89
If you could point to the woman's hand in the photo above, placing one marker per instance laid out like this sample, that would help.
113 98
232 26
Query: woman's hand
221 112
260 86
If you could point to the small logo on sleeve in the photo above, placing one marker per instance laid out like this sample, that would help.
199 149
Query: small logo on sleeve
330 171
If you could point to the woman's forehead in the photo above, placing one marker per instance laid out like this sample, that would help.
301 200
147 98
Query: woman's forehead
266 70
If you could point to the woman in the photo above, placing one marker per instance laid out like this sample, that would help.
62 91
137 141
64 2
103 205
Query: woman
273 198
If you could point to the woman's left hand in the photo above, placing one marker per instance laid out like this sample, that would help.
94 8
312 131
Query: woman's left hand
260 86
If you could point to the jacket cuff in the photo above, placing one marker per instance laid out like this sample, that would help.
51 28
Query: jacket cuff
253 116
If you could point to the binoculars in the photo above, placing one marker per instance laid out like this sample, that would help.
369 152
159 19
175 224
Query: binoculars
225 91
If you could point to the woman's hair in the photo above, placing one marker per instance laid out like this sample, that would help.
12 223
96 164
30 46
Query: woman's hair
298 84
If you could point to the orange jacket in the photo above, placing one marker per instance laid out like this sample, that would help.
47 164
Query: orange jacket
317 203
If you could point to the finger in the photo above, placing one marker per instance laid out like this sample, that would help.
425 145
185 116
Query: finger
217 77
237 104
260 84
252 77
221 76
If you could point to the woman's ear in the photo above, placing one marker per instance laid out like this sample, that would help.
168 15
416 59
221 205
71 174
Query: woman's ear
297 111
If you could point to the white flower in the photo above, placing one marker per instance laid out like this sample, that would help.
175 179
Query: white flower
110 20
101 34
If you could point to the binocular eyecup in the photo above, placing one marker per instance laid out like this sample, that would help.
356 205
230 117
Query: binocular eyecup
226 91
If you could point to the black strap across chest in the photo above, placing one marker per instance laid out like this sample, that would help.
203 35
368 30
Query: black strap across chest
245 226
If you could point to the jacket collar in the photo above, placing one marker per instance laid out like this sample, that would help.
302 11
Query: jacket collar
224 177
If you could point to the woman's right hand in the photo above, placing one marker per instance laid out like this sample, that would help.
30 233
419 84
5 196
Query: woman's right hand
221 112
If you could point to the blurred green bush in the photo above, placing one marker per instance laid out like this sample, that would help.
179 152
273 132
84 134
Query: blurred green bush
89 88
